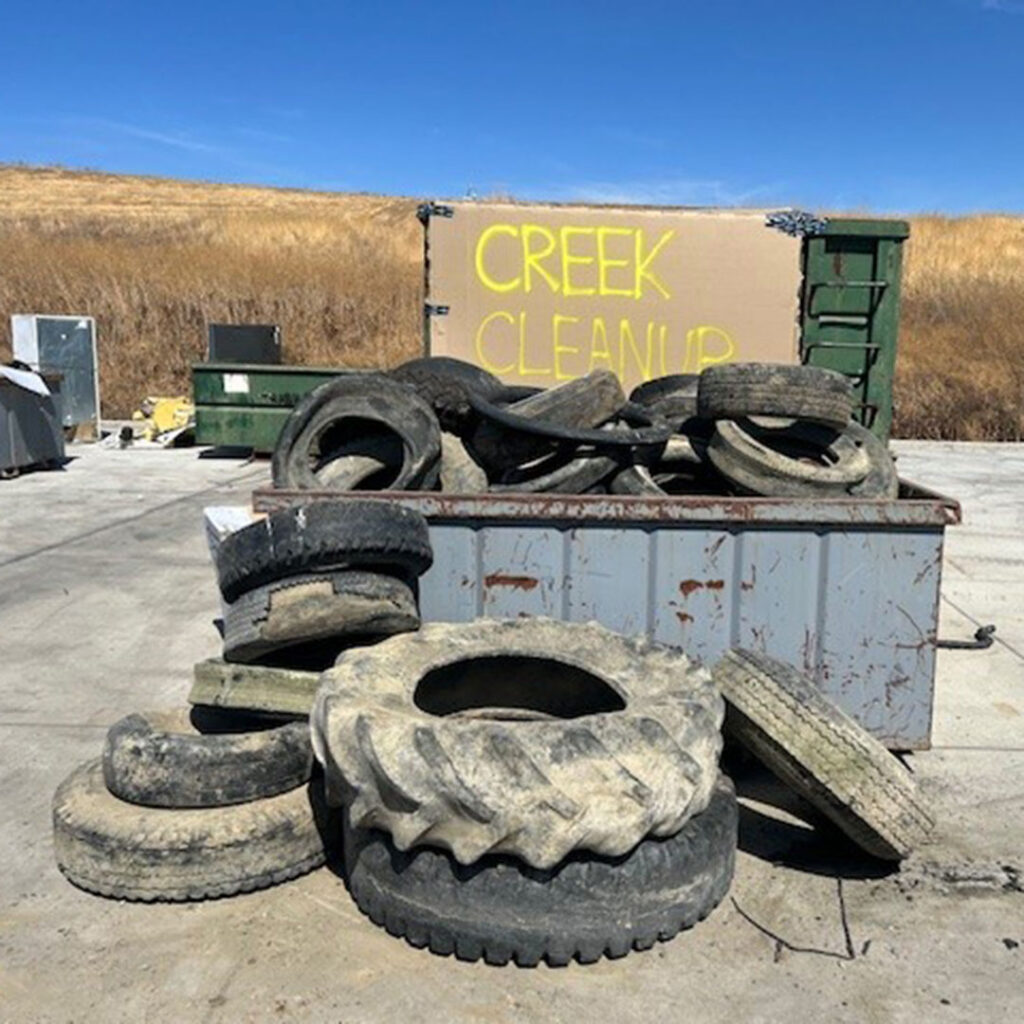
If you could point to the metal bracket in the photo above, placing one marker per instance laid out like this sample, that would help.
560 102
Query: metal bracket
432 310
427 210
983 639
798 223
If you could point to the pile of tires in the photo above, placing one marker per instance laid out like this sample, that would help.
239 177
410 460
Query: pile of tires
190 805
442 424
526 790
223 798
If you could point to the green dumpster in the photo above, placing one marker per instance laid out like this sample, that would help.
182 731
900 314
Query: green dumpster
245 405
850 309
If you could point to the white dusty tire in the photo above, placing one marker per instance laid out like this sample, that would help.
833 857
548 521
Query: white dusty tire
529 737
822 754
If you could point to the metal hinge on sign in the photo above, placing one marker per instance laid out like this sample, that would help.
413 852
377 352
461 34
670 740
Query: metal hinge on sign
435 310
427 210
798 223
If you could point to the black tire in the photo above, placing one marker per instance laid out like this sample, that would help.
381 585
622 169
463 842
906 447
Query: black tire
123 851
446 384
795 460
882 480
329 609
562 417
285 692
586 907
530 737
559 476
822 754
174 759
738 390
375 405
672 398
323 536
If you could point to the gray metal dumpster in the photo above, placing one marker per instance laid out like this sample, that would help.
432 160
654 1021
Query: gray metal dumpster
847 589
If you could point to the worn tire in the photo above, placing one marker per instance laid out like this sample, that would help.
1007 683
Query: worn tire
446 384
625 745
281 692
882 480
672 398
559 476
822 754
167 759
323 536
317 608
737 390
769 462
459 473
117 849
586 907
364 398
565 416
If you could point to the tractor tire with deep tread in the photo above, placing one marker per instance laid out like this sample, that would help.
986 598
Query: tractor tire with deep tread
531 737
738 390
585 907
822 754
109 847
349 534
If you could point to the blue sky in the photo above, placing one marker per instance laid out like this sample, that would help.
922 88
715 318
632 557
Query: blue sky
895 106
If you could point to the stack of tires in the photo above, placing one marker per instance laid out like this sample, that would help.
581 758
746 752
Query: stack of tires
526 790
223 798
187 806
441 424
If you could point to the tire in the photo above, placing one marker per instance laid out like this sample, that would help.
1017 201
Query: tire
567 415
672 398
320 537
530 737
375 405
822 754
446 384
317 608
770 462
171 759
116 849
218 684
576 476
459 473
586 907
737 390
361 463
882 480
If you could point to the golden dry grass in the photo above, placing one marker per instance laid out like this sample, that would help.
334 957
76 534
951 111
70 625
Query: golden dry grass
960 372
155 260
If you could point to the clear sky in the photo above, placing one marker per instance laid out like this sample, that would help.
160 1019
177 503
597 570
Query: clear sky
883 105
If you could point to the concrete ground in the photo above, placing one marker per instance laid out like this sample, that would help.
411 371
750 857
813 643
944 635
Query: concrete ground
107 599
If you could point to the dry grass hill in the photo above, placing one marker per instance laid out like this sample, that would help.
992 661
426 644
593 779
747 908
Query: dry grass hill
155 260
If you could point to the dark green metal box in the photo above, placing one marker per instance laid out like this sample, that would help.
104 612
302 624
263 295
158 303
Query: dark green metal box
246 404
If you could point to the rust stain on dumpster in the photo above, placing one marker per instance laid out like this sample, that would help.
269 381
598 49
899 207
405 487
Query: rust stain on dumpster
687 587
498 579
684 618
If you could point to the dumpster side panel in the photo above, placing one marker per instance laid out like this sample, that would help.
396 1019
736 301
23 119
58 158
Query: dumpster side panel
855 608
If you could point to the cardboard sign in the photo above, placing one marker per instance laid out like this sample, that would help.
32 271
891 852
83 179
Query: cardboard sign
542 294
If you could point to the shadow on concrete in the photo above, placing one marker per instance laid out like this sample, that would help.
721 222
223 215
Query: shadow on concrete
230 452
812 843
